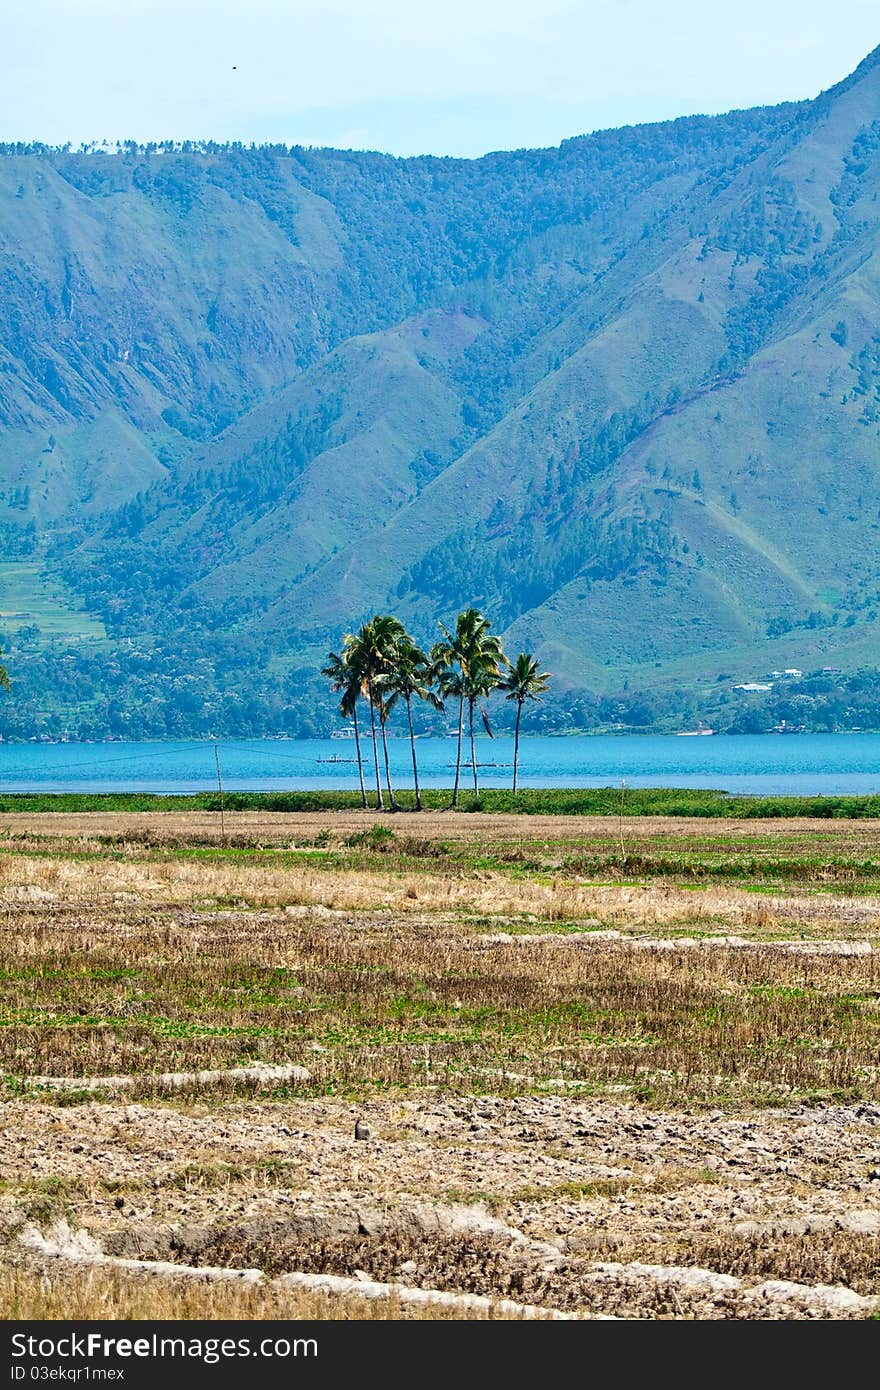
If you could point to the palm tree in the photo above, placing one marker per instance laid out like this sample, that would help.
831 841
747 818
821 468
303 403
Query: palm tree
479 658
413 674
356 646
453 686
481 679
344 676
384 711
375 652
523 681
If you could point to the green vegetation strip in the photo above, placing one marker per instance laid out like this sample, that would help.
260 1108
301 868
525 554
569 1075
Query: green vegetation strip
594 801
406 1007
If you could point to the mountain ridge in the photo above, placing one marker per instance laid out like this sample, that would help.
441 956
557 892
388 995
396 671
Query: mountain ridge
629 403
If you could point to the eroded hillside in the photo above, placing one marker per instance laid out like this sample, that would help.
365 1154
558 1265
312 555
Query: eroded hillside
625 394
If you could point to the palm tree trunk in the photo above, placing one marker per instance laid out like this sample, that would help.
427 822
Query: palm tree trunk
379 805
458 754
473 750
516 744
391 802
412 742
357 744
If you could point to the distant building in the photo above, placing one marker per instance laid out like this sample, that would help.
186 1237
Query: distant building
792 671
755 685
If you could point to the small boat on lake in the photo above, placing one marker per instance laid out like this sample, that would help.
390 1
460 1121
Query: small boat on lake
479 765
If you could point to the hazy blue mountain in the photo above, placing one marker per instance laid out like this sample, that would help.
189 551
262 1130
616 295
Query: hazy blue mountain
625 394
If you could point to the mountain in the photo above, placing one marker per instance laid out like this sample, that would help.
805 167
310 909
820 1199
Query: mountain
624 394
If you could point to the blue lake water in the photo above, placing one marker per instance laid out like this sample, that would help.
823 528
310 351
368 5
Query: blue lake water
798 764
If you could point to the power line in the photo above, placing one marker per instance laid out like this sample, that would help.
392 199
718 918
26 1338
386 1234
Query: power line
125 758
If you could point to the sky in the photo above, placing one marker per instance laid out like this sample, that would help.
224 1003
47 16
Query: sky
460 77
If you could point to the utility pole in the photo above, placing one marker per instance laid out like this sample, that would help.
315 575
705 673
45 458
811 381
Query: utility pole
620 822
220 790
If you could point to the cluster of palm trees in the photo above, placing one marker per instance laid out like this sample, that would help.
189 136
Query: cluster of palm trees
382 665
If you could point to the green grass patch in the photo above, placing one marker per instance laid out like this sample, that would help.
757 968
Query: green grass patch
536 801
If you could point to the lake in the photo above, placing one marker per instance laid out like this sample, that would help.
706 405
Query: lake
797 764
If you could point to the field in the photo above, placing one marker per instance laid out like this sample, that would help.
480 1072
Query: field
610 1065
28 597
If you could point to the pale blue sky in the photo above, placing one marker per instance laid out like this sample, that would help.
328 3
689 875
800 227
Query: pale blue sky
459 77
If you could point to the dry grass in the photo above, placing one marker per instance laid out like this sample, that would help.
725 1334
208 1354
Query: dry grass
837 1257
50 882
366 1001
480 1265
139 945
87 1295
678 875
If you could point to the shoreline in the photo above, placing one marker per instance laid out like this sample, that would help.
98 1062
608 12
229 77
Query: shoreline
402 737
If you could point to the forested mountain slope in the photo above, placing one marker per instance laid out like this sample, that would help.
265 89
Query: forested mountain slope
625 394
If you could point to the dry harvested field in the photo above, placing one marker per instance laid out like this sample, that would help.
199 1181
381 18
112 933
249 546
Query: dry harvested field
608 1068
